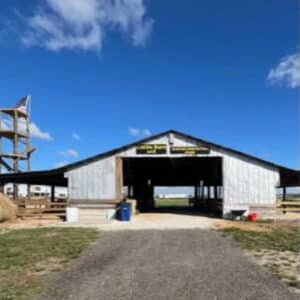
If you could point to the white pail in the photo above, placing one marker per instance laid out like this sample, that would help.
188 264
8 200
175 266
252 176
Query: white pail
72 214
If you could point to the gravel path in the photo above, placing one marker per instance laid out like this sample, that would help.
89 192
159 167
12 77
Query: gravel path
165 264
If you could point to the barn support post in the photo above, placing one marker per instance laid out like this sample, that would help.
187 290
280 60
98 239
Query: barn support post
131 191
1 188
197 195
284 198
284 193
28 191
216 192
52 194
119 179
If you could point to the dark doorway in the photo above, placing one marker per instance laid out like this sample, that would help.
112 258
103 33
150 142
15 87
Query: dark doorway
204 174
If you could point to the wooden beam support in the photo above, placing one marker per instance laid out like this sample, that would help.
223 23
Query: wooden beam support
52 194
284 193
119 178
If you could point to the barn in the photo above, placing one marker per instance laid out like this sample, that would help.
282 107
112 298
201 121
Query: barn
224 179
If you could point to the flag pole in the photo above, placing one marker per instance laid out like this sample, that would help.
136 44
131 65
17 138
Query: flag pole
29 104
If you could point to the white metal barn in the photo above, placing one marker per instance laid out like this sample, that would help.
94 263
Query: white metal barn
223 179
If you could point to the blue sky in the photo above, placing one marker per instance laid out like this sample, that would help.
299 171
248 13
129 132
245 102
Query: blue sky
105 73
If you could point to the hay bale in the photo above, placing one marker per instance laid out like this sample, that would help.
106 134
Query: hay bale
133 205
8 210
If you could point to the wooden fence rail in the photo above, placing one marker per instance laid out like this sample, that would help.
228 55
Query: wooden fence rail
289 205
41 208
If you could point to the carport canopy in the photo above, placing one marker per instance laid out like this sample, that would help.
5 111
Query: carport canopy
51 178
179 171
289 178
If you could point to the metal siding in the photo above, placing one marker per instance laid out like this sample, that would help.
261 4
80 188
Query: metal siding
93 181
245 181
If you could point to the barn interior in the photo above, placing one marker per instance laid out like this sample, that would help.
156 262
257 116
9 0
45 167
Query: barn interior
142 174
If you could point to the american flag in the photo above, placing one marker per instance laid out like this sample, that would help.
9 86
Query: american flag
23 104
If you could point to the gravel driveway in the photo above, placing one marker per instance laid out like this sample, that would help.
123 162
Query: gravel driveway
165 264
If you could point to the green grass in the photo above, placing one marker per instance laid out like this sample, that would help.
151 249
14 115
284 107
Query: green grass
28 256
284 239
171 202
280 239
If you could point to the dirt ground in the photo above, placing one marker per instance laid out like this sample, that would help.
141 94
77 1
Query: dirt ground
283 264
165 264
255 226
143 221
29 223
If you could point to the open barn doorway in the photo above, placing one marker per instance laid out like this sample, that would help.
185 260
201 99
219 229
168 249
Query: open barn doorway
170 198
203 175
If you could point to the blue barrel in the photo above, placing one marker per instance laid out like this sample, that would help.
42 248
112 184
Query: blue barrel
125 211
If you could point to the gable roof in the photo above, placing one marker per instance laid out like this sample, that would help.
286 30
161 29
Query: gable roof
156 136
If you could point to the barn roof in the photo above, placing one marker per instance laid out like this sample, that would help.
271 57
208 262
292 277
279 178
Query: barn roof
176 132
289 177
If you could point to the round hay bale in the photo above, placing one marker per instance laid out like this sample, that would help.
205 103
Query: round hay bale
8 210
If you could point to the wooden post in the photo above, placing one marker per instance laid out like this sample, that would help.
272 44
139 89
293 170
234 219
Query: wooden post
129 193
216 192
0 142
52 193
284 193
1 188
284 198
119 179
28 153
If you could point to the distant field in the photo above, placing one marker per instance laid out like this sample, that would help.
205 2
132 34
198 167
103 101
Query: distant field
293 197
290 197
174 202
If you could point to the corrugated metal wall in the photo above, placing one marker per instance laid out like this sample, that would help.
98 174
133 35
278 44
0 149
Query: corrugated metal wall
245 181
93 181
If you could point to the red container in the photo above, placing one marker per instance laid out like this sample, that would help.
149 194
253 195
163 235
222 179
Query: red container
252 217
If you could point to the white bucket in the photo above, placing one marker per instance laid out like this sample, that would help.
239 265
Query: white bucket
72 214
111 214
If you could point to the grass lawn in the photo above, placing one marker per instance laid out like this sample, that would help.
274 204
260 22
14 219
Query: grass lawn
274 245
29 256
171 202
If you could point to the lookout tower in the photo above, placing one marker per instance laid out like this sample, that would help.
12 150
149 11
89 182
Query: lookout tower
15 143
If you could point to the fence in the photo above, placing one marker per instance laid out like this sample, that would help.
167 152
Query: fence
289 205
41 208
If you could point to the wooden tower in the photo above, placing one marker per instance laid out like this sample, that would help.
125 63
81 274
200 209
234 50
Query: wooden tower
17 135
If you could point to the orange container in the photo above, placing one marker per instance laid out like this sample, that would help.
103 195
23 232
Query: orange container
252 217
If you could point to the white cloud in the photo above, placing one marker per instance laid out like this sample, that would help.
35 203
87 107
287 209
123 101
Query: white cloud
146 132
139 132
69 153
4 125
287 71
34 130
82 24
76 136
60 164
134 131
